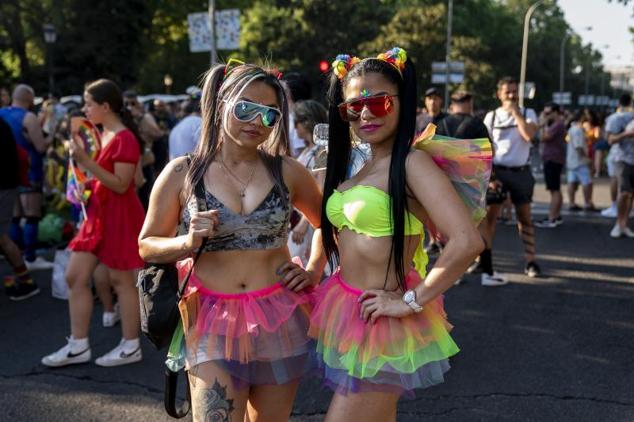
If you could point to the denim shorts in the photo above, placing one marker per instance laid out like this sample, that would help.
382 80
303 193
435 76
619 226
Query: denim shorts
580 175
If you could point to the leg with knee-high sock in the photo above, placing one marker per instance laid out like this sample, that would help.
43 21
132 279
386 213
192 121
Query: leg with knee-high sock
16 233
30 237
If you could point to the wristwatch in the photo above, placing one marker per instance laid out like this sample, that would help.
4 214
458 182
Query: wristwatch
410 299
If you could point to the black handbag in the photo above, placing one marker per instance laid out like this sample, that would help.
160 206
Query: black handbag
159 292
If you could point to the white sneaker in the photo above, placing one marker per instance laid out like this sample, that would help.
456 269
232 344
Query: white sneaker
110 319
494 280
617 232
118 356
39 264
64 356
609 212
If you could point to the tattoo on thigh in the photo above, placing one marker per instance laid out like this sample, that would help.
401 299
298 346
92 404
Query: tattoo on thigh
213 405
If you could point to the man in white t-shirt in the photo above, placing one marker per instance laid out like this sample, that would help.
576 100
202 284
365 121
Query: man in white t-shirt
511 130
184 136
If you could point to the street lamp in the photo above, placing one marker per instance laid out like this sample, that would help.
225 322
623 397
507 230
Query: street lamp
448 50
527 20
562 55
50 36
605 47
168 81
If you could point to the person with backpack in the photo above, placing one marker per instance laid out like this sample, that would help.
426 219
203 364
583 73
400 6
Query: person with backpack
511 130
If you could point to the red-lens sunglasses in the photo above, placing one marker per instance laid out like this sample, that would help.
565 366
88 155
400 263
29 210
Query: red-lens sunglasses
379 106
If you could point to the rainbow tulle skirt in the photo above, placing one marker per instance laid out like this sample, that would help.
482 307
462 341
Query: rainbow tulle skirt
395 355
258 337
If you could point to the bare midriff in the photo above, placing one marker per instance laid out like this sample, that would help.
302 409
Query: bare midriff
240 271
364 259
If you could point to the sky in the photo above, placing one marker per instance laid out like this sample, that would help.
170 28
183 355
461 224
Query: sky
609 21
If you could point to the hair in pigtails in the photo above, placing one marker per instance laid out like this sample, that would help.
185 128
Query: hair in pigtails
396 68
397 182
222 86
208 142
339 147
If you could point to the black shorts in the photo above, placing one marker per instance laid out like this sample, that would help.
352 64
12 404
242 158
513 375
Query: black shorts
552 175
626 178
517 181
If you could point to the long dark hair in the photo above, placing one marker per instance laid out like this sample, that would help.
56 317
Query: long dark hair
105 91
339 149
219 89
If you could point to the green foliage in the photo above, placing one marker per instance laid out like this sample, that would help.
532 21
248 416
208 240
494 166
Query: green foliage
137 42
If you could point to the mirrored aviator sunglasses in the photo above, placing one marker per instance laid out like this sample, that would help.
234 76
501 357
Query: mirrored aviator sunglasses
245 111
379 106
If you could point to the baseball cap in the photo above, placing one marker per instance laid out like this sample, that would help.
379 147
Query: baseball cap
461 96
432 91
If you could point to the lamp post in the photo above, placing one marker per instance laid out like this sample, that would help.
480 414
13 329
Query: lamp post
562 51
168 81
587 87
211 11
527 20
50 36
448 50
605 47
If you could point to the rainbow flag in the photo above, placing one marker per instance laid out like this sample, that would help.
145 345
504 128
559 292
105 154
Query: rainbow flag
76 193
87 134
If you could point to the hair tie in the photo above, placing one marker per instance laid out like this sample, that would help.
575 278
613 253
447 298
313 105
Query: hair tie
343 63
231 64
396 57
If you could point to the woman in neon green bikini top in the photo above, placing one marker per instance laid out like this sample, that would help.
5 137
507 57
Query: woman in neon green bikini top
379 322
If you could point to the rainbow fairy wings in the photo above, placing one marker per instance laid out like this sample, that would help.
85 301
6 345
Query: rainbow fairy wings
467 163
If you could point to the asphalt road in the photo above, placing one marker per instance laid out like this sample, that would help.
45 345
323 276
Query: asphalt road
558 348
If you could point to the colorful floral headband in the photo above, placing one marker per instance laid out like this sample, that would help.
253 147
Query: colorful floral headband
344 62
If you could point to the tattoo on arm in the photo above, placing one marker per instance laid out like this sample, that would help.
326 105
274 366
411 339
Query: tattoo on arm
213 405
178 168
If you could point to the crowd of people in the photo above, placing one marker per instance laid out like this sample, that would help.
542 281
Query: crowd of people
215 173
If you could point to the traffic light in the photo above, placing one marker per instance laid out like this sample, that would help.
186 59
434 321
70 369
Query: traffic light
324 66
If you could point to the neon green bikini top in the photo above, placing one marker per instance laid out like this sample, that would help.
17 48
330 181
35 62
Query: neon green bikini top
366 210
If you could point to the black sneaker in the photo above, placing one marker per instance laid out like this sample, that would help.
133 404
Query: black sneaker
532 270
559 221
17 292
546 224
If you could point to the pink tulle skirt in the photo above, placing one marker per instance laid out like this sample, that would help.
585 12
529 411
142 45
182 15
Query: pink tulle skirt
259 337
395 355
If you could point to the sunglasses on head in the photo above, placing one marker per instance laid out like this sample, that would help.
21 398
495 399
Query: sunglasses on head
245 111
379 106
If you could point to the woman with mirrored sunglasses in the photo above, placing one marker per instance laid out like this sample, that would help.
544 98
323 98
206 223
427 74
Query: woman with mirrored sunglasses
378 321
246 307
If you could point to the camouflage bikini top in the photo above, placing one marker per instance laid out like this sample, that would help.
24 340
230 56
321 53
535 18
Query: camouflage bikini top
266 227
